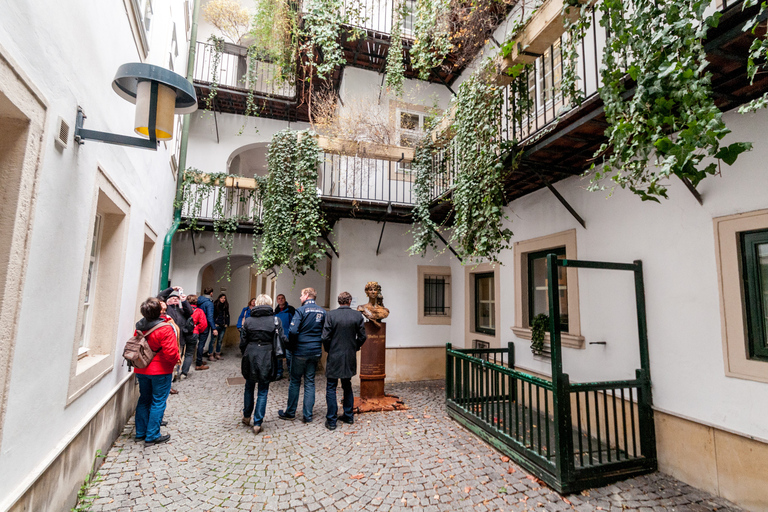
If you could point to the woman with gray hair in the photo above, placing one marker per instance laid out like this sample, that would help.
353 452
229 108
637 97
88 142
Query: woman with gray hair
259 364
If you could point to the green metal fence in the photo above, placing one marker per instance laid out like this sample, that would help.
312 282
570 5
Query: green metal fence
572 436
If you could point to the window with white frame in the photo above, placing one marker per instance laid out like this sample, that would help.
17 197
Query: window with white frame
410 127
140 13
90 287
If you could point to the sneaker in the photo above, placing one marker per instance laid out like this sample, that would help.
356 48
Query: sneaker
183 376
139 438
174 391
281 414
159 440
202 367
346 419
305 420
257 429
163 423
246 421
329 425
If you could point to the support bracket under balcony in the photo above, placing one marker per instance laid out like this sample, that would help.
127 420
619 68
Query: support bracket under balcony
380 237
561 198
692 190
447 244
330 244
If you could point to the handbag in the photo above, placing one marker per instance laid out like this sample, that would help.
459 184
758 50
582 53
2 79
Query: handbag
278 347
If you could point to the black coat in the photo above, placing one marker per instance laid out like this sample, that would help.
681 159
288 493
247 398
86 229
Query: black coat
259 363
181 314
343 335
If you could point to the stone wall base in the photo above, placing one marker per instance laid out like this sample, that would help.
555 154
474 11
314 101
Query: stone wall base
719 462
56 488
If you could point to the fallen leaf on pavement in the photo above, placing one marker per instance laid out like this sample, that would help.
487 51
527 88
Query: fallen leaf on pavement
467 489
505 459
297 475
511 470
357 476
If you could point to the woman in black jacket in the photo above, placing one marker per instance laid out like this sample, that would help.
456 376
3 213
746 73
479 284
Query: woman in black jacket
221 319
259 364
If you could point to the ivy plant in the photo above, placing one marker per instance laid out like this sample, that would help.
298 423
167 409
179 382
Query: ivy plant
395 76
757 57
218 46
669 123
432 39
292 220
539 326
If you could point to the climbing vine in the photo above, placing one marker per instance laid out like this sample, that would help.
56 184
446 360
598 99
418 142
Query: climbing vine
539 326
227 211
757 59
424 228
432 39
323 20
395 76
218 46
292 219
669 125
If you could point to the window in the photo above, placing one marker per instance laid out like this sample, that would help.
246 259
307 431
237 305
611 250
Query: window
754 248
140 14
531 296
101 288
408 19
538 292
485 304
434 297
90 287
741 244
410 127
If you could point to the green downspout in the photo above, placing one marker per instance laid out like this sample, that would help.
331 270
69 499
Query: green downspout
166 261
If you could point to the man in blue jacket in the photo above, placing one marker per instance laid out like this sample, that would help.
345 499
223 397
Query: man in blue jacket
306 334
205 303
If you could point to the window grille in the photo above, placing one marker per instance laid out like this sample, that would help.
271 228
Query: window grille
434 296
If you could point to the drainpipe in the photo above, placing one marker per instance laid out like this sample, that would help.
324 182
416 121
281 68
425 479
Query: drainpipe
166 261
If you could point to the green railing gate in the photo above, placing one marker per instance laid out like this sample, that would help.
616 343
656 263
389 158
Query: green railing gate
572 436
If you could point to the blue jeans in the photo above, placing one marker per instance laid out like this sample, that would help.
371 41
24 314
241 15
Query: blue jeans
221 329
153 393
302 367
189 352
201 345
333 405
261 401
280 364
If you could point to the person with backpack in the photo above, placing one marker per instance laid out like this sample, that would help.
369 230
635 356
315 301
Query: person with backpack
181 312
205 303
200 324
155 379
221 320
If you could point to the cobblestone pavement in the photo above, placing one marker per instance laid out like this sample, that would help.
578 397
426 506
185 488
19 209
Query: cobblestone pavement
417 459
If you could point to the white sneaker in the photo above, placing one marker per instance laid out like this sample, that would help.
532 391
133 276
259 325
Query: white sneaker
257 429
183 376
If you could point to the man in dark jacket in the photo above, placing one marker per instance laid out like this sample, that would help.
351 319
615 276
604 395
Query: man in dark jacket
343 335
205 303
181 312
306 331
284 312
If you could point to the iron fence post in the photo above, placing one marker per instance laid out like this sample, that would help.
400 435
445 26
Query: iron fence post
560 382
448 372
645 398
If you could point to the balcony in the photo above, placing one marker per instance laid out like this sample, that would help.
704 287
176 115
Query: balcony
370 183
559 140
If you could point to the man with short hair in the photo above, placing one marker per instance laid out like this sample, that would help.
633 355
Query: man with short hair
205 302
284 312
200 325
306 332
343 335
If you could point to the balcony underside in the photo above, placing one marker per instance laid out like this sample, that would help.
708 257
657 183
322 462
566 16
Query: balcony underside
569 145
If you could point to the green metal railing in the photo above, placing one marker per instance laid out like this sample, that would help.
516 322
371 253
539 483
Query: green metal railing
572 436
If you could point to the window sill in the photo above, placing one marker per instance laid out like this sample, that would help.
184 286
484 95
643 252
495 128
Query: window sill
434 320
566 339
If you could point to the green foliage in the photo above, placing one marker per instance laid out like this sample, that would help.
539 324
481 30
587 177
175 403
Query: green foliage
197 187
292 219
659 45
395 76
424 228
218 45
84 499
275 32
756 59
322 31
432 41
539 326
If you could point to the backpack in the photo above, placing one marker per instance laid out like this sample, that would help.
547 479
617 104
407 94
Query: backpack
137 352
189 327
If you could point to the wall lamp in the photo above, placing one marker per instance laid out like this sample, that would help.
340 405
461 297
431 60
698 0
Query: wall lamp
158 94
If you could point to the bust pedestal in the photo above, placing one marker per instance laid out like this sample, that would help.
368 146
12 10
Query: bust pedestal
373 361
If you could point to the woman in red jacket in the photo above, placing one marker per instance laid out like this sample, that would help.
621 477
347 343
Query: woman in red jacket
155 379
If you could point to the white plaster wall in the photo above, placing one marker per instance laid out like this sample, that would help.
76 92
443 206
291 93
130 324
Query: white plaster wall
395 271
675 241
70 55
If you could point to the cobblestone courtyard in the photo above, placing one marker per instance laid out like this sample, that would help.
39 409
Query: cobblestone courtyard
417 460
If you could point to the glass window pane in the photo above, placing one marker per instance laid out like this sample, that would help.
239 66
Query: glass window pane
538 295
409 121
762 262
434 296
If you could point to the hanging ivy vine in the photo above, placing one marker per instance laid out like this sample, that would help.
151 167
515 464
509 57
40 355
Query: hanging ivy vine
198 188
669 124
395 76
218 47
292 219
757 59
432 39
424 228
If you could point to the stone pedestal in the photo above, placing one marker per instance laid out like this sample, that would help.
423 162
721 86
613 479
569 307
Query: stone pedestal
373 371
373 361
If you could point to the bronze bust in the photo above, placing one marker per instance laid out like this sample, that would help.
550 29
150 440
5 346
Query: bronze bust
374 310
